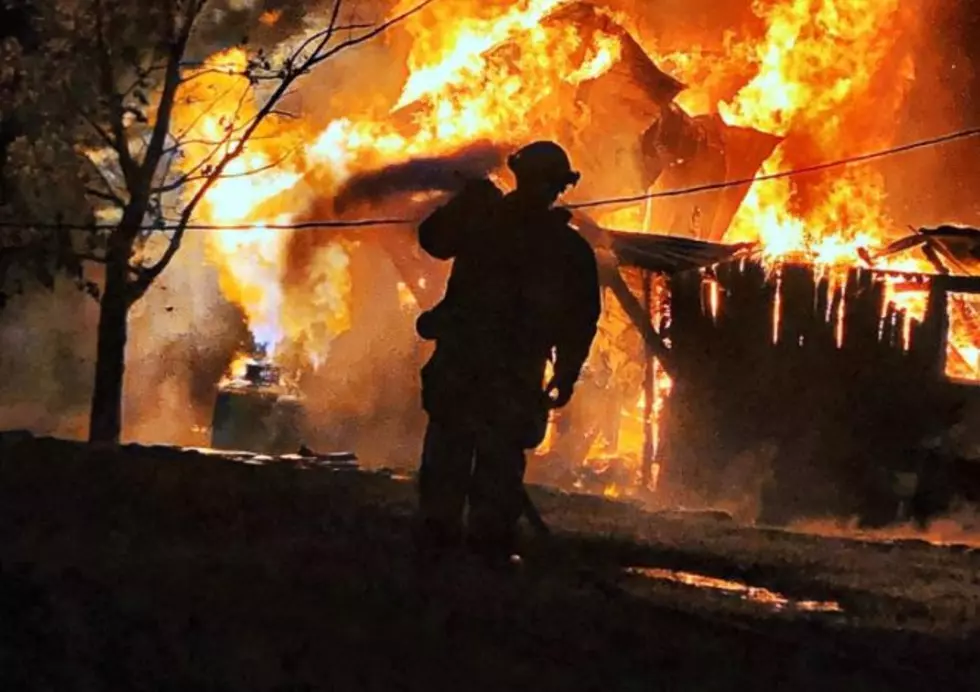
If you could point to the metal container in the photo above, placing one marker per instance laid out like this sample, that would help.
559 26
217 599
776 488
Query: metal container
258 412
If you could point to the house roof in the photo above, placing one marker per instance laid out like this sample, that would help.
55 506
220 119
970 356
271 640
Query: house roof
668 254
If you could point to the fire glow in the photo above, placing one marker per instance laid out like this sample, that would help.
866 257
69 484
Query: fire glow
810 76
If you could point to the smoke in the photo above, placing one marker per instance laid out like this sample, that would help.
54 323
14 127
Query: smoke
268 23
182 336
959 526
934 186
442 174
47 353
364 396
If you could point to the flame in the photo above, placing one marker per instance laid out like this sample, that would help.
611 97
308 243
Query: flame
818 69
442 59
612 491
816 66
963 349
462 88
270 17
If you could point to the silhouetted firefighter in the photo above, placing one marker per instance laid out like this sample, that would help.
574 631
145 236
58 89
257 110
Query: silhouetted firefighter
523 291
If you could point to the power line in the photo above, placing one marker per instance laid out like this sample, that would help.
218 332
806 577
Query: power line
840 163
603 202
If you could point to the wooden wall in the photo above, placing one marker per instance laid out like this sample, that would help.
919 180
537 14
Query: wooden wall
822 416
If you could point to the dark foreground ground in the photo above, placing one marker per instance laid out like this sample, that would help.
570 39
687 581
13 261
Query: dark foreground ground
156 570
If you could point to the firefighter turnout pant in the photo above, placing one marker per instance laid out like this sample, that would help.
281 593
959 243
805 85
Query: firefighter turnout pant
486 466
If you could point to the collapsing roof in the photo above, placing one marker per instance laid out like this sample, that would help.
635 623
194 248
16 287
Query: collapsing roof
634 84
953 250
674 149
950 249
681 152
669 254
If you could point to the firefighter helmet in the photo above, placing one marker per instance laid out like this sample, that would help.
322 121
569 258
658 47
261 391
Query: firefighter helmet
546 161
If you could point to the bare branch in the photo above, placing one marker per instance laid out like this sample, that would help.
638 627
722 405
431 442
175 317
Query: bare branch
322 36
100 131
213 70
315 59
142 74
107 196
161 127
227 141
110 189
330 27
188 179
108 85
200 116
147 275
218 142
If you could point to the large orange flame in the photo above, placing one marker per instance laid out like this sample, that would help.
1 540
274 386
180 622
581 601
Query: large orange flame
821 74
461 89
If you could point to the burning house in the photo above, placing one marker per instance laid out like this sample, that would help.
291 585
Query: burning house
722 305
808 390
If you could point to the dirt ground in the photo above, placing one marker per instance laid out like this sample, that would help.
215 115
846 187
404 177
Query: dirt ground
153 569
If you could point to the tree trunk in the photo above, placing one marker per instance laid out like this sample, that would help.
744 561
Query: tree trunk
105 423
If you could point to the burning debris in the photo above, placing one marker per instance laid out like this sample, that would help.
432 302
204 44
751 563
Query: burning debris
258 409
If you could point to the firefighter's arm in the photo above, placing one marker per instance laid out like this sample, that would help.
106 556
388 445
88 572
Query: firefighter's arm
447 230
580 325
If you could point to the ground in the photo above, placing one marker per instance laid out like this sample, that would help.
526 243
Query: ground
163 570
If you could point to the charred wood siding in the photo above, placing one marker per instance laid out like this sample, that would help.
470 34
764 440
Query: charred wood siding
836 414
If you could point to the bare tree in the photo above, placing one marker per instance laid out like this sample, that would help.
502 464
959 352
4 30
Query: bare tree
118 99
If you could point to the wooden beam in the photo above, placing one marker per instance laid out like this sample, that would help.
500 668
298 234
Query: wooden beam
648 386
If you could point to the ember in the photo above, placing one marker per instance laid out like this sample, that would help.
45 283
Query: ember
753 594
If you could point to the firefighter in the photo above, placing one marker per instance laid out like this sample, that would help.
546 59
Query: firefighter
523 292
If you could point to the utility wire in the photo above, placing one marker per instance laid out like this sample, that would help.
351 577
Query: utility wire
840 163
604 202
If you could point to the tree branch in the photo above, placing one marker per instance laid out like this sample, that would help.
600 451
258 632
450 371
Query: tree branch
108 83
107 196
224 143
100 131
142 73
110 188
161 128
363 38
147 275
200 116
213 70
323 35
187 179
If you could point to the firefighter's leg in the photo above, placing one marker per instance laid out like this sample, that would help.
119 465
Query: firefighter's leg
444 477
496 495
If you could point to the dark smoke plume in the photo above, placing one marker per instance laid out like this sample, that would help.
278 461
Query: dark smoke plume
436 174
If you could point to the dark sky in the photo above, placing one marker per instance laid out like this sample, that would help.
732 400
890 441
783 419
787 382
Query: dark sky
940 185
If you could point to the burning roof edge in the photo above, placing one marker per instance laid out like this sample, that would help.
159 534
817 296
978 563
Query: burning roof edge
675 254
